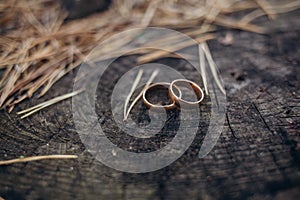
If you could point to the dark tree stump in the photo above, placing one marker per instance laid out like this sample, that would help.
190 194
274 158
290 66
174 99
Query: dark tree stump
256 157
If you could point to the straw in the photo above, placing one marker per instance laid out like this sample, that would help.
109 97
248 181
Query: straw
38 47
35 158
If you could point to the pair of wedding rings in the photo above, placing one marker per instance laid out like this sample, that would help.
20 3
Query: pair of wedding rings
176 98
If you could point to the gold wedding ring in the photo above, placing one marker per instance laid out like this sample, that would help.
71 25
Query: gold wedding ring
175 98
178 99
168 106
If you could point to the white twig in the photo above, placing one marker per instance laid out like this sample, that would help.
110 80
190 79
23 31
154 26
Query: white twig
213 67
134 85
45 104
202 67
34 158
152 77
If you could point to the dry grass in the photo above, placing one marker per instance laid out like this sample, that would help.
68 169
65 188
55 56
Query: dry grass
134 85
29 111
38 48
136 82
35 158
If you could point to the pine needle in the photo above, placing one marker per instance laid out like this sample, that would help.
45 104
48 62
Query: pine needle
134 85
265 7
173 48
48 103
35 158
38 40
213 67
202 66
152 77
149 14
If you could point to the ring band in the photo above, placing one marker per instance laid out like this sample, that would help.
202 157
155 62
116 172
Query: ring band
199 92
169 106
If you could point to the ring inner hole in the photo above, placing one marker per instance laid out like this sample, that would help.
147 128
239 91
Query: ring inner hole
188 92
158 95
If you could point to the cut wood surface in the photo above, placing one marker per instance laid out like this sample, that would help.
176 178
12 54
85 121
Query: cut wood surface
256 157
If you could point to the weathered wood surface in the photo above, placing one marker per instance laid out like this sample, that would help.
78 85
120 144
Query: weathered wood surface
256 157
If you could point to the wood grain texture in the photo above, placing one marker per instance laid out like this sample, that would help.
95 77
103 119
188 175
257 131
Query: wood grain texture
256 157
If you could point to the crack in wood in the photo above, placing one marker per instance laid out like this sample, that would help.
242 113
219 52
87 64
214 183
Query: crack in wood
262 118
230 128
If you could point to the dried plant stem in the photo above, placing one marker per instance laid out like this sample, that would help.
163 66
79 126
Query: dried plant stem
45 104
228 22
265 7
251 16
213 67
149 13
152 77
202 66
134 85
38 48
35 158
285 6
159 54
173 39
